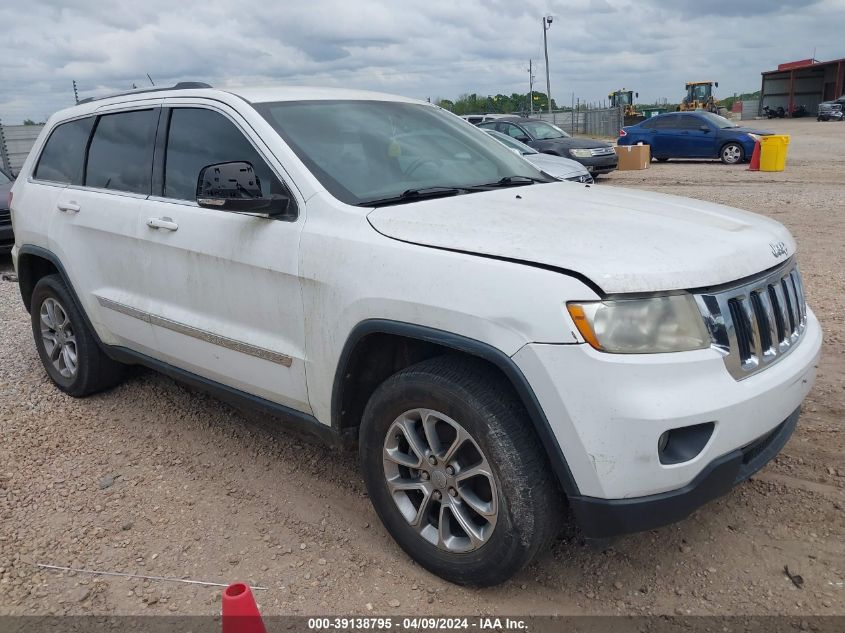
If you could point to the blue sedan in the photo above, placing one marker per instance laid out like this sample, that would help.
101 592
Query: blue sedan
696 134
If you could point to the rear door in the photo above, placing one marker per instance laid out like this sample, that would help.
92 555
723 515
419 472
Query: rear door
223 287
94 225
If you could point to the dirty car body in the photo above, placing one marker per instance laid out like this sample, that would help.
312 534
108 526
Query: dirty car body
494 341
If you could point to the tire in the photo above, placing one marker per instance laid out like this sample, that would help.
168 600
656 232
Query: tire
732 154
521 498
67 347
661 159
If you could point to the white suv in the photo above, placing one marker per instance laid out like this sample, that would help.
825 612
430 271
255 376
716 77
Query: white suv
497 344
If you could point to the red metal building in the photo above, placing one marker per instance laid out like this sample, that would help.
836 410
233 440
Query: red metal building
806 82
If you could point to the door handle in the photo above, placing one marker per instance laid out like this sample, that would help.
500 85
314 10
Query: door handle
162 223
68 207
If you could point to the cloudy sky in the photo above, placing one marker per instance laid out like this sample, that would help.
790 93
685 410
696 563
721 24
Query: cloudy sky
426 48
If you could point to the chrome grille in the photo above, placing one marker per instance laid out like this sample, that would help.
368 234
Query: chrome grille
602 151
756 323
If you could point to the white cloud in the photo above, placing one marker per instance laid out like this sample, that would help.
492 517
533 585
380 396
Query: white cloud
437 48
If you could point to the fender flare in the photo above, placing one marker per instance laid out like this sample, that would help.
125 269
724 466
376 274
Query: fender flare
486 352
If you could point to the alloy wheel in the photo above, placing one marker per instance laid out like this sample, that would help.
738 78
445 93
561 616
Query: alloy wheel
732 154
440 480
58 338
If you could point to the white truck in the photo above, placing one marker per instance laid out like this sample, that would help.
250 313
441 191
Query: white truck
499 346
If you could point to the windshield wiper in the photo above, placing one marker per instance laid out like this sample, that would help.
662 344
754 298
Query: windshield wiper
412 195
511 181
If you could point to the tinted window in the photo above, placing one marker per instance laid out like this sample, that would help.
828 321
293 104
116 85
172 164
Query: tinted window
649 124
690 122
121 152
666 122
64 152
199 138
4 179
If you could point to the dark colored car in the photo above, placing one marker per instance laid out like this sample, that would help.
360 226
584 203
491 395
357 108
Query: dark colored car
696 134
7 238
598 157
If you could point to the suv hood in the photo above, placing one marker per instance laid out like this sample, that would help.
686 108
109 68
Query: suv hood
622 240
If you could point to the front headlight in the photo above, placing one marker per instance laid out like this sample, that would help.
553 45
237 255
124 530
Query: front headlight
641 326
580 153
754 137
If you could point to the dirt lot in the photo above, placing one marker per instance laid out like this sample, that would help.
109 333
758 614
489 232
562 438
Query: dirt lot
153 479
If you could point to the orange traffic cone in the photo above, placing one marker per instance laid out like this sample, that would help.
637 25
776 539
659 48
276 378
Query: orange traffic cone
755 158
240 613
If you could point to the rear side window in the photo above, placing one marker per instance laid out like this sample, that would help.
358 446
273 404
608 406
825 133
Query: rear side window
198 138
121 153
666 122
64 153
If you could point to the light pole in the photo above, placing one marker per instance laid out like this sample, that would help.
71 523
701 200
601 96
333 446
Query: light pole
547 22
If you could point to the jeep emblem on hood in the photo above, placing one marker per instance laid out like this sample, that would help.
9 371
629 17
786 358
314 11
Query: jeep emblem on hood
779 249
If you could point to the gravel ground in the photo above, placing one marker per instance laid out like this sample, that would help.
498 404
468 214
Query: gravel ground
153 479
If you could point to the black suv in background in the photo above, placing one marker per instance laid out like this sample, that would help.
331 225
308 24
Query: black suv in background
7 238
598 157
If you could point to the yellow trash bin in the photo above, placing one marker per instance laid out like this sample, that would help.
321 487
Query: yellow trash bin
773 152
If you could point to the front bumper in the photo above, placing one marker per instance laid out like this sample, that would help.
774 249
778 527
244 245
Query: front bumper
608 411
7 237
598 164
605 518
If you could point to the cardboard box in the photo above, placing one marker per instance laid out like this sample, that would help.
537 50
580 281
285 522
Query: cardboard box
633 157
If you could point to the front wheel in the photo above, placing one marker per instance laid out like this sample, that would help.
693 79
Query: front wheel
455 471
732 154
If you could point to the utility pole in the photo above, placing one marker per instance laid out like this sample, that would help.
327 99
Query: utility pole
530 88
547 22
75 93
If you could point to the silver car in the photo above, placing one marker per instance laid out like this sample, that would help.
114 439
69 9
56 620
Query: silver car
555 166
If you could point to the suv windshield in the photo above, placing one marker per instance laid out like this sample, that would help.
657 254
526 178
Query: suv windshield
369 151
541 130
4 179
719 121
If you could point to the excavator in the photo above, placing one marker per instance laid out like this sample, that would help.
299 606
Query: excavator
625 99
700 97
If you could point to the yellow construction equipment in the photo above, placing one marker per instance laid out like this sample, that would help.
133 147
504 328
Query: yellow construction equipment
624 99
700 96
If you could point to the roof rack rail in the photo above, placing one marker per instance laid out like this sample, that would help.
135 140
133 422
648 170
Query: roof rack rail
182 85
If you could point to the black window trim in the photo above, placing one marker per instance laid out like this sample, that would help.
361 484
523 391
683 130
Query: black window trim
160 158
57 183
99 115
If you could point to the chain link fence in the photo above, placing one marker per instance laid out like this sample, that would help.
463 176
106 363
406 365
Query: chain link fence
598 122
15 143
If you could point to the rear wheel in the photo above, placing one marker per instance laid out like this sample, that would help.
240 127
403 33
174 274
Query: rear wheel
732 153
67 348
661 159
455 471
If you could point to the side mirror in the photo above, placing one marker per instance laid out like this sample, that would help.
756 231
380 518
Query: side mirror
523 139
637 95
717 84
235 187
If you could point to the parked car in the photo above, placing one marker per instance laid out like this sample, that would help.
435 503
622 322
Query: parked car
7 237
696 134
597 156
498 345
556 166
832 110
